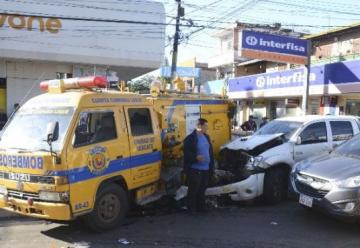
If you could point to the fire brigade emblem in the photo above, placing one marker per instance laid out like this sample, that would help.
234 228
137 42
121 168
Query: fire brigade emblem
98 160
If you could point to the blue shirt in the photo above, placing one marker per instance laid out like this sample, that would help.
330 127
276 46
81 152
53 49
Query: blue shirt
202 148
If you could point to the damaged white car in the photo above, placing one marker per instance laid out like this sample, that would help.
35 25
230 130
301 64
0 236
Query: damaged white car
259 165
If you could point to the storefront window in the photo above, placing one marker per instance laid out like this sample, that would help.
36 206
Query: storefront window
353 107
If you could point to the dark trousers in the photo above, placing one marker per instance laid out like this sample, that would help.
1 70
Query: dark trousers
198 181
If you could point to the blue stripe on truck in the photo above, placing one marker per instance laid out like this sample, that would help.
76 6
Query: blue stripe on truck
83 173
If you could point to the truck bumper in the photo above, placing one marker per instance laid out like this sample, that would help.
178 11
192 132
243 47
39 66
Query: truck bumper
43 210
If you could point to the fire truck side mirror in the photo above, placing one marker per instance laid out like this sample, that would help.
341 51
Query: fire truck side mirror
52 131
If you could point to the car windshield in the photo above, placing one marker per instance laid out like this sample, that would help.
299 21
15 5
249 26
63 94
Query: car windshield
350 147
27 129
277 126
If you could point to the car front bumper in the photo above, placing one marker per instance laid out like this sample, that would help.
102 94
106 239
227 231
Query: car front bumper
339 202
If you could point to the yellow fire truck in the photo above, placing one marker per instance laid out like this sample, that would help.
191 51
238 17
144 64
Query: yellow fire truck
81 150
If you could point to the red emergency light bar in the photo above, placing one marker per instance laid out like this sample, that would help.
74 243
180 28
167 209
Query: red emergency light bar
77 83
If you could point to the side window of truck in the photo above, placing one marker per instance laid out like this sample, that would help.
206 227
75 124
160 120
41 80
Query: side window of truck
140 121
341 130
314 133
95 127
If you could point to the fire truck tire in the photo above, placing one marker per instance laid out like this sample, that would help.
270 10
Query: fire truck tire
111 207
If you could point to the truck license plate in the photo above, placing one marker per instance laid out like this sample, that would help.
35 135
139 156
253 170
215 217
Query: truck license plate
306 200
19 177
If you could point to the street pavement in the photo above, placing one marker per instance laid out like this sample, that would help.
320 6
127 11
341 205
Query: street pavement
256 225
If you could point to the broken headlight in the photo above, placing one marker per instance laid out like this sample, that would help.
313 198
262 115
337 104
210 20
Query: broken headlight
254 162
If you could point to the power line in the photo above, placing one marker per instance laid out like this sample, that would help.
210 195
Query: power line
285 24
202 8
84 6
312 7
12 13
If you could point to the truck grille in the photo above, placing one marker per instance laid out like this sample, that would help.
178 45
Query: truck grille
306 189
23 195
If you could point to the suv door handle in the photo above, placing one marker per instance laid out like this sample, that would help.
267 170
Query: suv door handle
299 153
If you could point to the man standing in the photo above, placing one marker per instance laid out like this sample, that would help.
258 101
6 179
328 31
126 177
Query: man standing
198 165
249 125
265 121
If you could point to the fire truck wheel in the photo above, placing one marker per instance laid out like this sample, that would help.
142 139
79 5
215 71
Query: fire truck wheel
110 208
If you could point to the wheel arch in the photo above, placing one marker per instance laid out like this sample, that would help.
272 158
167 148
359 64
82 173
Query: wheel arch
118 180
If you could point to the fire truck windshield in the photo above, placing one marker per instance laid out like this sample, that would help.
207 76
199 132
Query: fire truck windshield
27 129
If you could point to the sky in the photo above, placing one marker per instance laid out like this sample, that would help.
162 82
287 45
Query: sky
309 16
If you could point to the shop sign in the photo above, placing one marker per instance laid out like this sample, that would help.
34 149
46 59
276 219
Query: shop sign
293 78
292 101
337 73
258 45
181 72
30 23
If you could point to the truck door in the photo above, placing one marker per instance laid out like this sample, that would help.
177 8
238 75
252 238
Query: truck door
145 145
314 140
99 148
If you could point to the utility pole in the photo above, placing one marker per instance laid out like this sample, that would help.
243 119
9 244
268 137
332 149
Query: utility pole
180 13
305 100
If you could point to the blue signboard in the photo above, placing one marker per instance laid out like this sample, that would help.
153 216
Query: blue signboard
190 72
274 43
214 87
336 73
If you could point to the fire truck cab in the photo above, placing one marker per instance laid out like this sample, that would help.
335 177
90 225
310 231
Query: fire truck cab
81 150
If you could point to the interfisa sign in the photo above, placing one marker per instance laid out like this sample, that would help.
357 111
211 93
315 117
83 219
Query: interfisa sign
271 47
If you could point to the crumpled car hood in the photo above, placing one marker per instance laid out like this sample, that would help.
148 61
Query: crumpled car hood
249 143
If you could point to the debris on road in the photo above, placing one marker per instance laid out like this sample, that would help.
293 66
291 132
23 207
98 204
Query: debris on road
124 241
181 193
82 244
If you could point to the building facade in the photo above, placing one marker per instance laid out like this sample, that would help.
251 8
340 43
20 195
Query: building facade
228 61
96 38
275 89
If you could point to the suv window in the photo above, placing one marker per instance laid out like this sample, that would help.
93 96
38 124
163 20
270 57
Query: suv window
341 130
94 127
140 121
314 133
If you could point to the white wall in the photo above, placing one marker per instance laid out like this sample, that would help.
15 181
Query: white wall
79 41
2 68
23 79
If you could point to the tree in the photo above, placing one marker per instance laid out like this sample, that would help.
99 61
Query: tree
142 85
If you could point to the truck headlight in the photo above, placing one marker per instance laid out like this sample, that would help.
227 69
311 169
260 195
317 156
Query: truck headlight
61 180
3 190
54 196
254 162
351 182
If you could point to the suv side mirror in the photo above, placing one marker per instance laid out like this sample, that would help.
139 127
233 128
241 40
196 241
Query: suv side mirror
52 131
298 140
